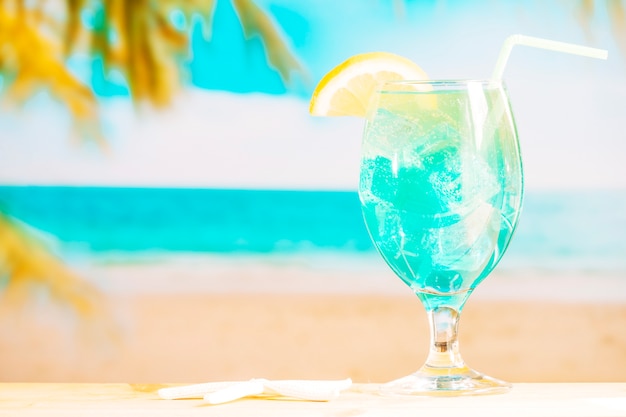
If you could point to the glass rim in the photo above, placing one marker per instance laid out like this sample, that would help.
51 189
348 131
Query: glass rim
445 83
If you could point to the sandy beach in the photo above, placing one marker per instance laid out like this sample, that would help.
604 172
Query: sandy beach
240 320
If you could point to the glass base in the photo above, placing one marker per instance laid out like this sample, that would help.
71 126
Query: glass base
430 381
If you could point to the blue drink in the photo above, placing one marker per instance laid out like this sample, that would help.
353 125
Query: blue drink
441 191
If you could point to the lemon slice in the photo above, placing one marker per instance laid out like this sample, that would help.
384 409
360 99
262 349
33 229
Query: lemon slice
346 90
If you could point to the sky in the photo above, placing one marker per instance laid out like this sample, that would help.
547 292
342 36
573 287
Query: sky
239 126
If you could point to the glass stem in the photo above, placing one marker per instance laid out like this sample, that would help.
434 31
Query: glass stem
444 344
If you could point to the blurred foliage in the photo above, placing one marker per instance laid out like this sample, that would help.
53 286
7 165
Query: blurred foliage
586 11
32 59
138 38
26 264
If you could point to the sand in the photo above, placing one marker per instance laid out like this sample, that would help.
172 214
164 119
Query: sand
294 321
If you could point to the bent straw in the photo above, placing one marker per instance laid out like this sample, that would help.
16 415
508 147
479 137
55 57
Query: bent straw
540 43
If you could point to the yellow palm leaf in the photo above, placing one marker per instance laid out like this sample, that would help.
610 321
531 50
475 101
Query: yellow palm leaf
29 263
256 22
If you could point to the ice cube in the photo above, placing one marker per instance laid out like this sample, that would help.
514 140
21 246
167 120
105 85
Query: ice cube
377 179
428 172
457 172
467 244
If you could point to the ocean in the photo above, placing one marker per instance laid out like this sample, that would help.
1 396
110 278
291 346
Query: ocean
573 230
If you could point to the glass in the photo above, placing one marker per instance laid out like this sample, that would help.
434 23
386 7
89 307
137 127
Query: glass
441 190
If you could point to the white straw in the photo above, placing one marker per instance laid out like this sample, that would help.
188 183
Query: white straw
568 48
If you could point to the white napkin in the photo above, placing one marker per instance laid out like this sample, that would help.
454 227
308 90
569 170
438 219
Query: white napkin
222 392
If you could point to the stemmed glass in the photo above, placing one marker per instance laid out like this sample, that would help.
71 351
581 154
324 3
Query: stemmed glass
441 190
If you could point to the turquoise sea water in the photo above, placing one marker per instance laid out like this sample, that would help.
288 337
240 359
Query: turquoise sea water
571 230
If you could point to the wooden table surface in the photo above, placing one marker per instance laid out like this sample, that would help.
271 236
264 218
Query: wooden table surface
545 399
